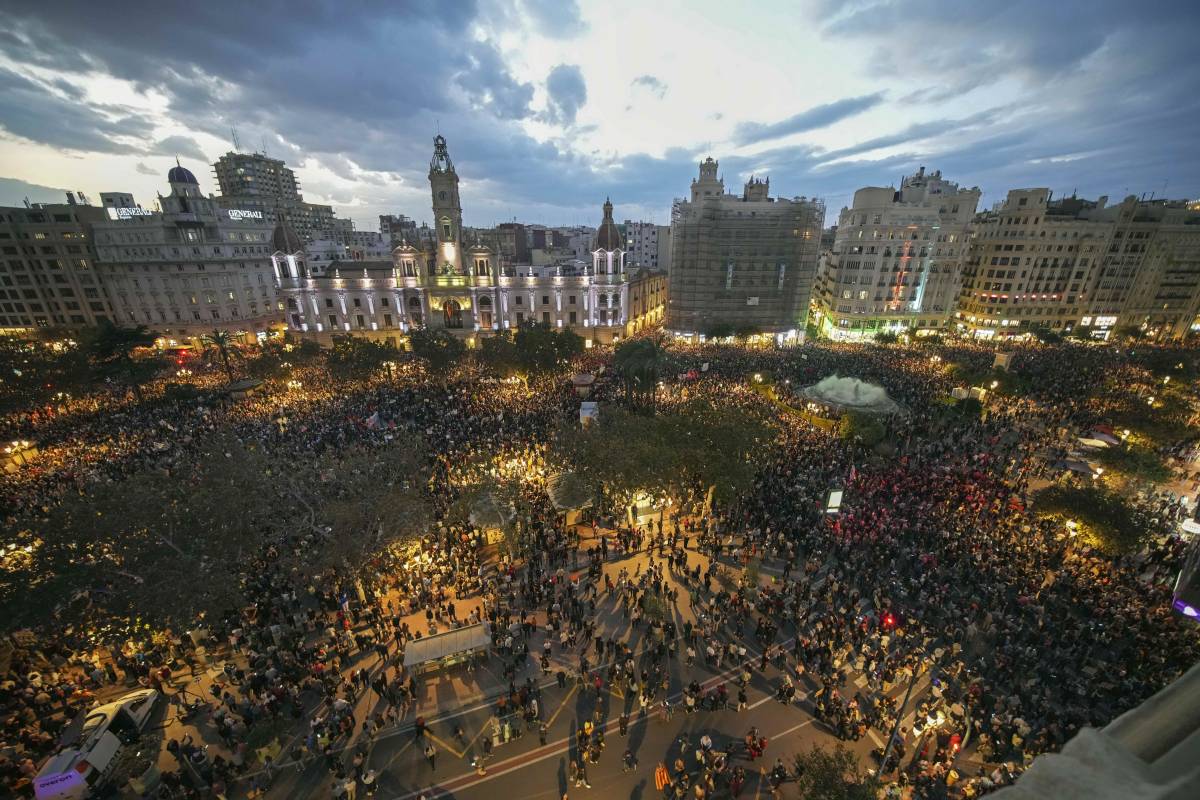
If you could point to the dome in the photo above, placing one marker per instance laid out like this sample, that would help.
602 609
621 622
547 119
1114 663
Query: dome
286 240
180 174
608 237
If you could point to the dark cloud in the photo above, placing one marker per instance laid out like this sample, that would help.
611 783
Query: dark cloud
650 84
32 110
566 93
1106 98
14 192
810 120
179 147
489 85
142 169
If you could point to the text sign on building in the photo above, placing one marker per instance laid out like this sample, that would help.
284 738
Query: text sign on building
128 213
238 214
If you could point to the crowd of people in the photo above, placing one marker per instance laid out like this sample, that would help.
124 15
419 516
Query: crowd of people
934 568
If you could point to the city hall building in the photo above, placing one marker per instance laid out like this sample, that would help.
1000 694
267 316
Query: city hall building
465 287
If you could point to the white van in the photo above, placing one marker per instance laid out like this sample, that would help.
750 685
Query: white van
91 744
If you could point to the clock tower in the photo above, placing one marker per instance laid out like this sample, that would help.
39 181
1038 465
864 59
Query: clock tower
447 210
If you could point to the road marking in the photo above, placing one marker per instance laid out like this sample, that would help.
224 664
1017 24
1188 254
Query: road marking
794 728
561 706
758 703
444 745
762 777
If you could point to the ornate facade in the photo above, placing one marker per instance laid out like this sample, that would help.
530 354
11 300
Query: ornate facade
468 288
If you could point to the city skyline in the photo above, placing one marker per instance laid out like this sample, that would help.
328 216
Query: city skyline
549 107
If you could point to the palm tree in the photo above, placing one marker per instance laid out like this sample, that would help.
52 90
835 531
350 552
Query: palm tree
639 362
222 342
111 351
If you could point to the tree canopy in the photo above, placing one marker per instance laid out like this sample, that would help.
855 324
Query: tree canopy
833 775
357 358
693 444
439 347
536 347
111 352
859 428
540 347
639 362
1102 517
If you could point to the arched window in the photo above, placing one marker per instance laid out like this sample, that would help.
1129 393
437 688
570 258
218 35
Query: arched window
447 229
453 314
485 311
481 267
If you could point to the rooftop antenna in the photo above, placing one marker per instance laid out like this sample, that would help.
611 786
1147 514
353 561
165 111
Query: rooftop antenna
264 142
237 145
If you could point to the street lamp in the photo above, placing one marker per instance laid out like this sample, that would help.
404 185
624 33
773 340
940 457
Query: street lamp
389 366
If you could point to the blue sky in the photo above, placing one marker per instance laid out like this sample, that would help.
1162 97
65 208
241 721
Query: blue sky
549 106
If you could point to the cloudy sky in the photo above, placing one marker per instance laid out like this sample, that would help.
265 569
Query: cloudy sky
550 105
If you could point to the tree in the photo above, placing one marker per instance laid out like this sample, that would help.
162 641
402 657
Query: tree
1046 336
833 775
111 353
354 358
1135 462
438 347
639 362
498 353
540 348
269 363
1102 517
306 351
222 343
1128 333
860 428
694 445
719 330
886 337
746 331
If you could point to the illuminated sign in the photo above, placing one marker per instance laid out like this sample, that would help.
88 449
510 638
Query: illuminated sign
128 213
1105 322
238 214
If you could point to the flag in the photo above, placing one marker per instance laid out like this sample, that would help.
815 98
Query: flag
662 779
853 473
373 421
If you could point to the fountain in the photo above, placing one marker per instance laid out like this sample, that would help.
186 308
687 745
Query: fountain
851 394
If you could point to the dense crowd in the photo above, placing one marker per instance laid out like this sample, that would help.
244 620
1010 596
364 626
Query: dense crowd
935 567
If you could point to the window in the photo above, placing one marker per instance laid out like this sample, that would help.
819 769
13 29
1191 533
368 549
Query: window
545 299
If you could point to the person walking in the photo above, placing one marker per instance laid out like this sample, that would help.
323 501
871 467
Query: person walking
431 756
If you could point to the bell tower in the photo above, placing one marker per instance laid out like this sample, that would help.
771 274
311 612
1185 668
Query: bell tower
447 209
